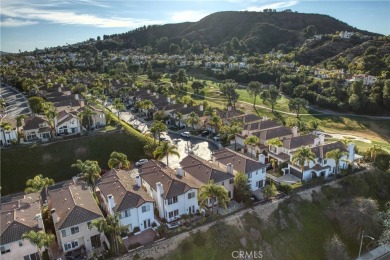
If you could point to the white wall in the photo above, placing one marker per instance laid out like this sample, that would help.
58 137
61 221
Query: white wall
182 204
18 252
7 136
137 218
257 176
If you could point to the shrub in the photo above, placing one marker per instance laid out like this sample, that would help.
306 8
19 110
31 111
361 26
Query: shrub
285 188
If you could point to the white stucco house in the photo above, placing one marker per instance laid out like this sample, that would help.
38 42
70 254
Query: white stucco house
8 136
124 196
173 194
19 215
67 122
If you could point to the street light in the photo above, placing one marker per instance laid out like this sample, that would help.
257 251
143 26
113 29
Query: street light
361 242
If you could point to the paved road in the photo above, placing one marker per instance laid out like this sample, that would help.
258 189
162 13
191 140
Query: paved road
17 103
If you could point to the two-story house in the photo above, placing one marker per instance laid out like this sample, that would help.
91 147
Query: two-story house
97 119
202 172
73 208
255 170
20 215
124 196
36 128
173 194
7 135
67 122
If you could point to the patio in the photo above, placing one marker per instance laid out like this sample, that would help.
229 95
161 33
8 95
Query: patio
146 237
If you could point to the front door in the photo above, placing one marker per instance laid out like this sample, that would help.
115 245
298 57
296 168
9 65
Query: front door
146 223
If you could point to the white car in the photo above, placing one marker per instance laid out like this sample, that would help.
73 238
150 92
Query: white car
141 162
217 138
185 134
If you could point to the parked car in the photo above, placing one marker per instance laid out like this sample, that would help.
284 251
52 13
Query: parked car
205 133
185 134
217 138
133 109
141 162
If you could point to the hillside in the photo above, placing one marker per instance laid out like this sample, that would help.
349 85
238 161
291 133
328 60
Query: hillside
260 31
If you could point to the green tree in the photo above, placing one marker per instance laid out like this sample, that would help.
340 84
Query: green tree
147 104
179 116
336 155
38 183
229 91
270 190
193 119
112 227
216 122
196 85
217 194
39 239
118 106
254 90
36 104
158 127
165 150
242 189
86 114
231 131
182 77
118 160
209 111
302 156
252 141
271 96
297 104
90 172
275 142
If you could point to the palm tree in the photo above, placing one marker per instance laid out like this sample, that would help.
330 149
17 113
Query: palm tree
275 142
86 113
179 117
149 149
336 154
252 141
209 111
217 194
39 239
215 121
118 105
38 183
113 228
89 170
147 104
232 131
118 160
3 104
165 149
139 104
193 119
158 127
374 151
303 155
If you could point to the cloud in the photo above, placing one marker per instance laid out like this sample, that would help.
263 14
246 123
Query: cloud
187 16
274 5
11 22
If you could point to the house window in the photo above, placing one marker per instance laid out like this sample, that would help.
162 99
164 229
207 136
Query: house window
223 183
191 195
325 161
172 200
74 230
70 245
174 213
231 181
145 208
5 249
71 231
34 256
125 214
249 175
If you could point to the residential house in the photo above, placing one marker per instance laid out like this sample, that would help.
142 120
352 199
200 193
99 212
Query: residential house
255 170
67 122
8 136
185 111
322 166
18 216
73 208
173 194
120 194
98 118
203 172
36 128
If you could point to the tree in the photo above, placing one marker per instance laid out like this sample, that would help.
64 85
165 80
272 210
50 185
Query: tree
147 104
182 77
310 31
271 96
228 90
193 119
217 194
39 239
252 141
374 151
86 113
296 104
313 124
384 217
254 89
118 160
242 189
196 85
50 112
36 104
158 127
270 190
139 105
112 227
118 105
179 116
302 156
209 111
90 172
231 131
386 93
165 150
336 155
335 249
38 183
275 142
215 121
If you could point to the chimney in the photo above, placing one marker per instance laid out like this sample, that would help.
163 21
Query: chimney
111 203
229 168
185 105
265 118
148 91
59 89
76 97
316 142
138 180
39 219
294 131
229 108
179 171
351 152
201 108
262 158
22 122
157 96
322 139
54 215
160 188
174 101
169 99
81 103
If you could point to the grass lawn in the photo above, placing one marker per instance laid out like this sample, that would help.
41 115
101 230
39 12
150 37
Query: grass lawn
54 160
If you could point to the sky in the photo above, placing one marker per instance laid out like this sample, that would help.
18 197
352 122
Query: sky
29 24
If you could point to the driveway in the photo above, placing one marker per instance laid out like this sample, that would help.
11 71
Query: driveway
17 103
